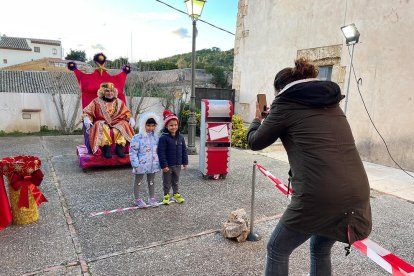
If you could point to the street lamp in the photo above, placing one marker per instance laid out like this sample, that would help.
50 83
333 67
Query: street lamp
194 9
352 37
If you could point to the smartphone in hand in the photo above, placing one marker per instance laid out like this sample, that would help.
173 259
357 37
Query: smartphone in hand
261 100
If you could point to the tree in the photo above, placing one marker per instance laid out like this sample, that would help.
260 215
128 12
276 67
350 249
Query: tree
219 76
138 88
66 114
181 63
117 63
78 55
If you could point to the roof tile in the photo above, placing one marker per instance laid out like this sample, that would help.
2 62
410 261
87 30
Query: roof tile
38 82
15 43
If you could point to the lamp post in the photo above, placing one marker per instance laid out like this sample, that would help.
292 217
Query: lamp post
352 37
194 9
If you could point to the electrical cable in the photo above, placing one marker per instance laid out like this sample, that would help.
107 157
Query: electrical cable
358 81
198 19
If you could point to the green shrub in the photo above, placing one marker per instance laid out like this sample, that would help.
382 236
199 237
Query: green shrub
44 128
238 133
184 121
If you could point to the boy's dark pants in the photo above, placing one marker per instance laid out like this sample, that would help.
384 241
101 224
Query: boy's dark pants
170 179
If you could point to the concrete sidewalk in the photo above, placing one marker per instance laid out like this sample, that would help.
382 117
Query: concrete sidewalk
182 239
381 178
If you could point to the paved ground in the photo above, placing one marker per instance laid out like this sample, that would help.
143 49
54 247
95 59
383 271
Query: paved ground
180 239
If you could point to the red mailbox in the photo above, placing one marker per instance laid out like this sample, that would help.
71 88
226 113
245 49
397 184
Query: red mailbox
215 137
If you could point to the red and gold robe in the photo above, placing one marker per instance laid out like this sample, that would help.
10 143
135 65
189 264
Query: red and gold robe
115 114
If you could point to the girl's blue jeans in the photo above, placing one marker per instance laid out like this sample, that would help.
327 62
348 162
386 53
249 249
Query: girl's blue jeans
282 243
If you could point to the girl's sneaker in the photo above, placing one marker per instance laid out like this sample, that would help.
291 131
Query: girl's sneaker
140 203
177 197
152 202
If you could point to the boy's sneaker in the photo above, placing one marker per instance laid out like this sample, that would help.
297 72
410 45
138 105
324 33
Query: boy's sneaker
177 197
140 203
152 201
166 199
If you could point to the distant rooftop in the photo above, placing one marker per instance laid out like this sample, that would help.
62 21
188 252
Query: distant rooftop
14 43
20 43
45 41
38 82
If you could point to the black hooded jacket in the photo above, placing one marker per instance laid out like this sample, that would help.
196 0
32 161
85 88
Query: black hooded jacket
330 186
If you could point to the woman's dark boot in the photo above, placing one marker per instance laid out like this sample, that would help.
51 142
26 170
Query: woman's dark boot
106 151
119 150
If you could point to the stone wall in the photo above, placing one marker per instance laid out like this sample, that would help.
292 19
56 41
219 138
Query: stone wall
271 35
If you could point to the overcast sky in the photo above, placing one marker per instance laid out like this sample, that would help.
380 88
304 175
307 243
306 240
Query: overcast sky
143 29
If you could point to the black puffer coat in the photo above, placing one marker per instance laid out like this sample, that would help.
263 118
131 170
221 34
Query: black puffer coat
330 187
172 150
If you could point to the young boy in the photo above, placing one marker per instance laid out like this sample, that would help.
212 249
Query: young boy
172 154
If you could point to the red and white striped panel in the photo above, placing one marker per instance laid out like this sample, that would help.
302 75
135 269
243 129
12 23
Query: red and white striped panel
379 255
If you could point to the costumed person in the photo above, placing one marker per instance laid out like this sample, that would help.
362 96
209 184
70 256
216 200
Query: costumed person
172 153
330 189
144 158
104 113
90 83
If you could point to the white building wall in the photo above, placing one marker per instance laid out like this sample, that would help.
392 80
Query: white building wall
50 51
19 56
270 36
14 57
14 118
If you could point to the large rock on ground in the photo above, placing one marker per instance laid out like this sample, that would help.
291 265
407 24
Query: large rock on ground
236 226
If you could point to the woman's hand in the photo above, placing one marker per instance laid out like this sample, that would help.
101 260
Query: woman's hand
259 114
166 169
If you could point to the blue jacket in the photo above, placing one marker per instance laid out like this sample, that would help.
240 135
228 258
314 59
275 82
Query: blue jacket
143 153
172 150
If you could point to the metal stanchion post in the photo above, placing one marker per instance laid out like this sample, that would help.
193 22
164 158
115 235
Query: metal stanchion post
253 236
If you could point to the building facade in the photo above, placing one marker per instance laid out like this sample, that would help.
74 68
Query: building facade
15 50
270 35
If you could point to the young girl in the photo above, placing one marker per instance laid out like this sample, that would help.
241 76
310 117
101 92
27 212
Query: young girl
172 154
144 158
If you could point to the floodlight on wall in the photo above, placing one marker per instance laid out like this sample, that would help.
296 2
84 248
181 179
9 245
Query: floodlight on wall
352 37
351 33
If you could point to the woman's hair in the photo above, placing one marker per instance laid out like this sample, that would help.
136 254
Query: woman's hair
303 70
151 121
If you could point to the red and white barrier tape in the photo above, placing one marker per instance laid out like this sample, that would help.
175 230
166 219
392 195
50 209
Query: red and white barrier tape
372 250
279 185
119 210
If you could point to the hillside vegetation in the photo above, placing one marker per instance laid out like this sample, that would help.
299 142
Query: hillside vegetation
205 58
214 61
